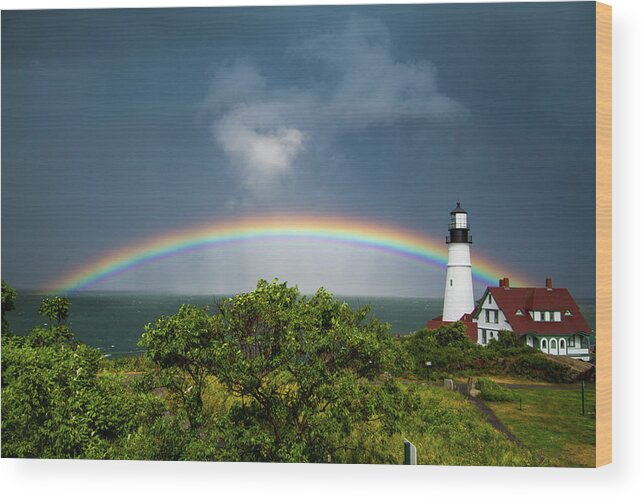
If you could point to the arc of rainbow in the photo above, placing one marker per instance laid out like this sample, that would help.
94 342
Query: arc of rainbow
341 230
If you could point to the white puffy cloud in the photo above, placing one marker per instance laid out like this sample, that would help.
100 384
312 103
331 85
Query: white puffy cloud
264 130
257 138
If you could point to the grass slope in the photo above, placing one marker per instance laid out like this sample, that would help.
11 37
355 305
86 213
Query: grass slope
551 423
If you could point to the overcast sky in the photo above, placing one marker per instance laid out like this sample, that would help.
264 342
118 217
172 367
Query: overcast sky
119 125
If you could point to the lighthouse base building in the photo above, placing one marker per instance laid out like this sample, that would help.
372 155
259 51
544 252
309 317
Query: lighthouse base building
546 318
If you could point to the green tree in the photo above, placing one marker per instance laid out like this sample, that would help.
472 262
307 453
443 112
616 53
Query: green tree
299 370
8 303
182 346
56 309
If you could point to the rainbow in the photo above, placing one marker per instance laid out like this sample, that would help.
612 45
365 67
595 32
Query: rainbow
339 230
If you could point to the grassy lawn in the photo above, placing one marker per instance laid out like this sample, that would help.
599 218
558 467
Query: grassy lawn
551 423
449 430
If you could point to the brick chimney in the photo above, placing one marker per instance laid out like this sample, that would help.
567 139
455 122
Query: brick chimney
501 282
505 282
548 284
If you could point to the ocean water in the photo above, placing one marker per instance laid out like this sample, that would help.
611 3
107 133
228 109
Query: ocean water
113 322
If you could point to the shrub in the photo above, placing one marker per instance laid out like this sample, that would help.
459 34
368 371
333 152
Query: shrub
537 365
493 392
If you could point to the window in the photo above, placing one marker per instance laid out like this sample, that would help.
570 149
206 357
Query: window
568 313
519 312
561 344
543 344
552 344
491 316
545 315
489 299
484 336
571 342
450 282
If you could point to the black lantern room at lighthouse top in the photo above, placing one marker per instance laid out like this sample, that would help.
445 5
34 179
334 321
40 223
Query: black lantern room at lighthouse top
459 226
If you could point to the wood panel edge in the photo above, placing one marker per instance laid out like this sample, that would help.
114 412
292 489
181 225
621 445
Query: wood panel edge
603 234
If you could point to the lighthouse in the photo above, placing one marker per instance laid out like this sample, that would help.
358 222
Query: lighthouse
458 292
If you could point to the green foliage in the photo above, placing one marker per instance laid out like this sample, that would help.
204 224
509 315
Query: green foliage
302 368
447 348
55 308
492 391
182 345
298 369
506 340
453 353
42 337
126 364
271 376
8 303
538 366
54 405
445 428
163 439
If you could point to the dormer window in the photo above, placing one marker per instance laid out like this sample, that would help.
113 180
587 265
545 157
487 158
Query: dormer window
545 315
519 312
568 313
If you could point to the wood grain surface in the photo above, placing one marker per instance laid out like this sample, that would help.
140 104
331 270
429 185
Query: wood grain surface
603 234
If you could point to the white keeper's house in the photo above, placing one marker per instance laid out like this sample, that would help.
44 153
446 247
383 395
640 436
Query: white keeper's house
546 318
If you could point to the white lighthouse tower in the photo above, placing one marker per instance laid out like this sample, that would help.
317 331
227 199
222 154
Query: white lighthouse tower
458 293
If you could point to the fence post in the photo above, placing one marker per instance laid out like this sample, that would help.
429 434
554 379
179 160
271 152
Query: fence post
582 391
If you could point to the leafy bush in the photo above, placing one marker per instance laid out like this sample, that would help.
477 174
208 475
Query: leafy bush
54 404
8 303
493 392
451 352
447 348
539 366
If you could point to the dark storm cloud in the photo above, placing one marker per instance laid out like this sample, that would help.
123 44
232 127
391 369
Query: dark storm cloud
264 128
120 125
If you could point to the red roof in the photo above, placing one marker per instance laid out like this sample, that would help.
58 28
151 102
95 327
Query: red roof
526 299
466 319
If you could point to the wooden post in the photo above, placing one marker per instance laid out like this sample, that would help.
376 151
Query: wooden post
582 396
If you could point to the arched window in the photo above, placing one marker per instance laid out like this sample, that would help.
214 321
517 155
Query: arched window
543 344
561 344
552 344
